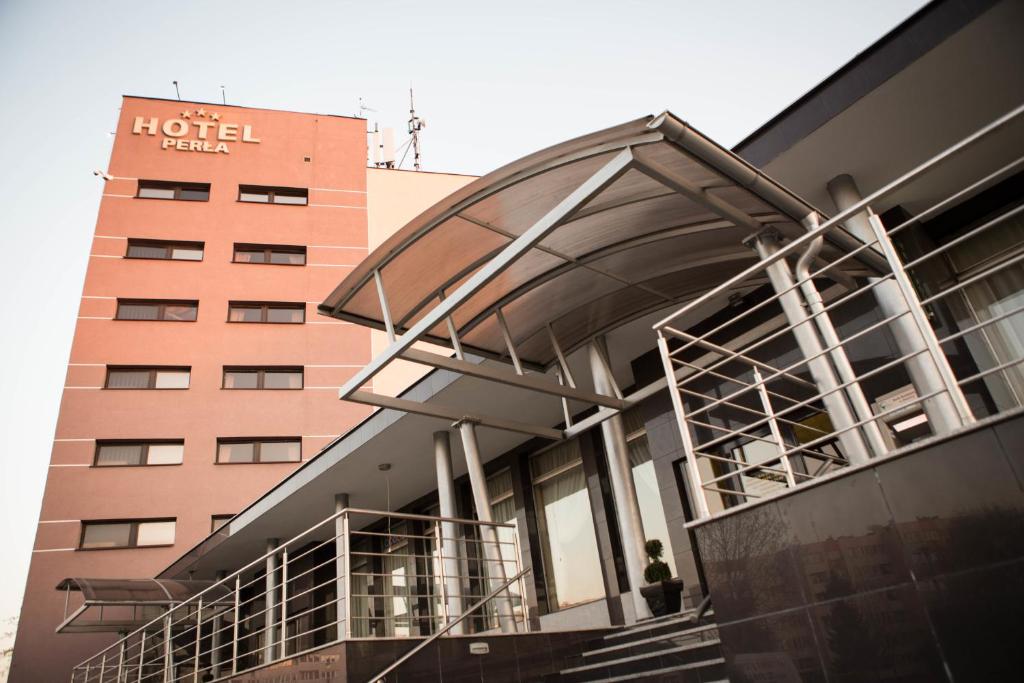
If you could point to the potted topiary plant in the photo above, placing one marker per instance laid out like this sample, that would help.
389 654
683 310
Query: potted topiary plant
663 594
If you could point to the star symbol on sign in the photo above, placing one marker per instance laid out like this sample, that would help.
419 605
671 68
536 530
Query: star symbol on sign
214 116
186 114
200 112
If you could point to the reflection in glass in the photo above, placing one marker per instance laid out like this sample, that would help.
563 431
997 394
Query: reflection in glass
155 533
235 452
572 566
114 535
280 451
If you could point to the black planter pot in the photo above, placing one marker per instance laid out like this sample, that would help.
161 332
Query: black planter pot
664 597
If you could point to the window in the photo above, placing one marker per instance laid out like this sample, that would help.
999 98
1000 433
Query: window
217 521
275 254
147 378
262 378
138 453
652 514
163 189
127 534
234 451
255 312
165 250
273 195
572 566
157 309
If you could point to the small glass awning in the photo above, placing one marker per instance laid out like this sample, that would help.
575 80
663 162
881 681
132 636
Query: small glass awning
112 605
665 230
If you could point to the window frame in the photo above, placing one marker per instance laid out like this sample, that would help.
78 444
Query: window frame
257 442
144 455
177 186
133 532
168 246
261 371
265 307
268 250
161 305
153 370
271 191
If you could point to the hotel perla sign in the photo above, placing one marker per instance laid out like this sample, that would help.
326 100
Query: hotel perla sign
210 135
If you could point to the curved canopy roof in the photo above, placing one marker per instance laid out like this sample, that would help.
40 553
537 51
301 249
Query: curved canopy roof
669 225
134 591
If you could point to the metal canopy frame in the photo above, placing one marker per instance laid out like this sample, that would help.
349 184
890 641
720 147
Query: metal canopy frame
628 148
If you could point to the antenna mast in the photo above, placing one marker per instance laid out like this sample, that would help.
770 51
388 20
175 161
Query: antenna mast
416 124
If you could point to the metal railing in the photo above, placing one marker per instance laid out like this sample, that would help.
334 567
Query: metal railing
913 333
357 574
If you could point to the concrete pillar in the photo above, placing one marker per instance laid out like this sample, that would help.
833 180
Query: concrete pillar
342 583
449 531
807 339
495 568
620 474
924 375
270 616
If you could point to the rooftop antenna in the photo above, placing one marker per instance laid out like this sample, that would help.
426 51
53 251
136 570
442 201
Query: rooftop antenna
416 124
363 108
176 91
223 95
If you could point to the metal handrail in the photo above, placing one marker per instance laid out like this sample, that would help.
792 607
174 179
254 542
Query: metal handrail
379 678
938 390
277 596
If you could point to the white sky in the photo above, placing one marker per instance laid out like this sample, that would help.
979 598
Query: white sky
494 81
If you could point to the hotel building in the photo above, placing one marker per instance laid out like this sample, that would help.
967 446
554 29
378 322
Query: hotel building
795 363
200 374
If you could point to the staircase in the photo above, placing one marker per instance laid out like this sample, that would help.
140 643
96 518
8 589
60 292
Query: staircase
670 648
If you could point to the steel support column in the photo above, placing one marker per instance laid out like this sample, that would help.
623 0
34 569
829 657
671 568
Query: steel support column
495 566
341 501
781 277
448 548
627 506
940 409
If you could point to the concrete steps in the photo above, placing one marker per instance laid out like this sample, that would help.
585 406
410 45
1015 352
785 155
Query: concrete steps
671 648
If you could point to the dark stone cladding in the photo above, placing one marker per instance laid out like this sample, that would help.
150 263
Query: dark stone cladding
908 570
528 657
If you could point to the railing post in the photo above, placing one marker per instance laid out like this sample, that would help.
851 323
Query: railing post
234 626
215 637
168 654
120 658
270 596
441 581
142 656
103 666
284 603
773 426
199 630
700 502
522 580
348 576
341 502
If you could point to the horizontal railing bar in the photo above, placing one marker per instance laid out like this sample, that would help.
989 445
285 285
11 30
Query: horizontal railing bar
975 278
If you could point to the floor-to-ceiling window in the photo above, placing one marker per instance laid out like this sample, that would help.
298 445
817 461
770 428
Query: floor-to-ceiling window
572 567
647 491
503 511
